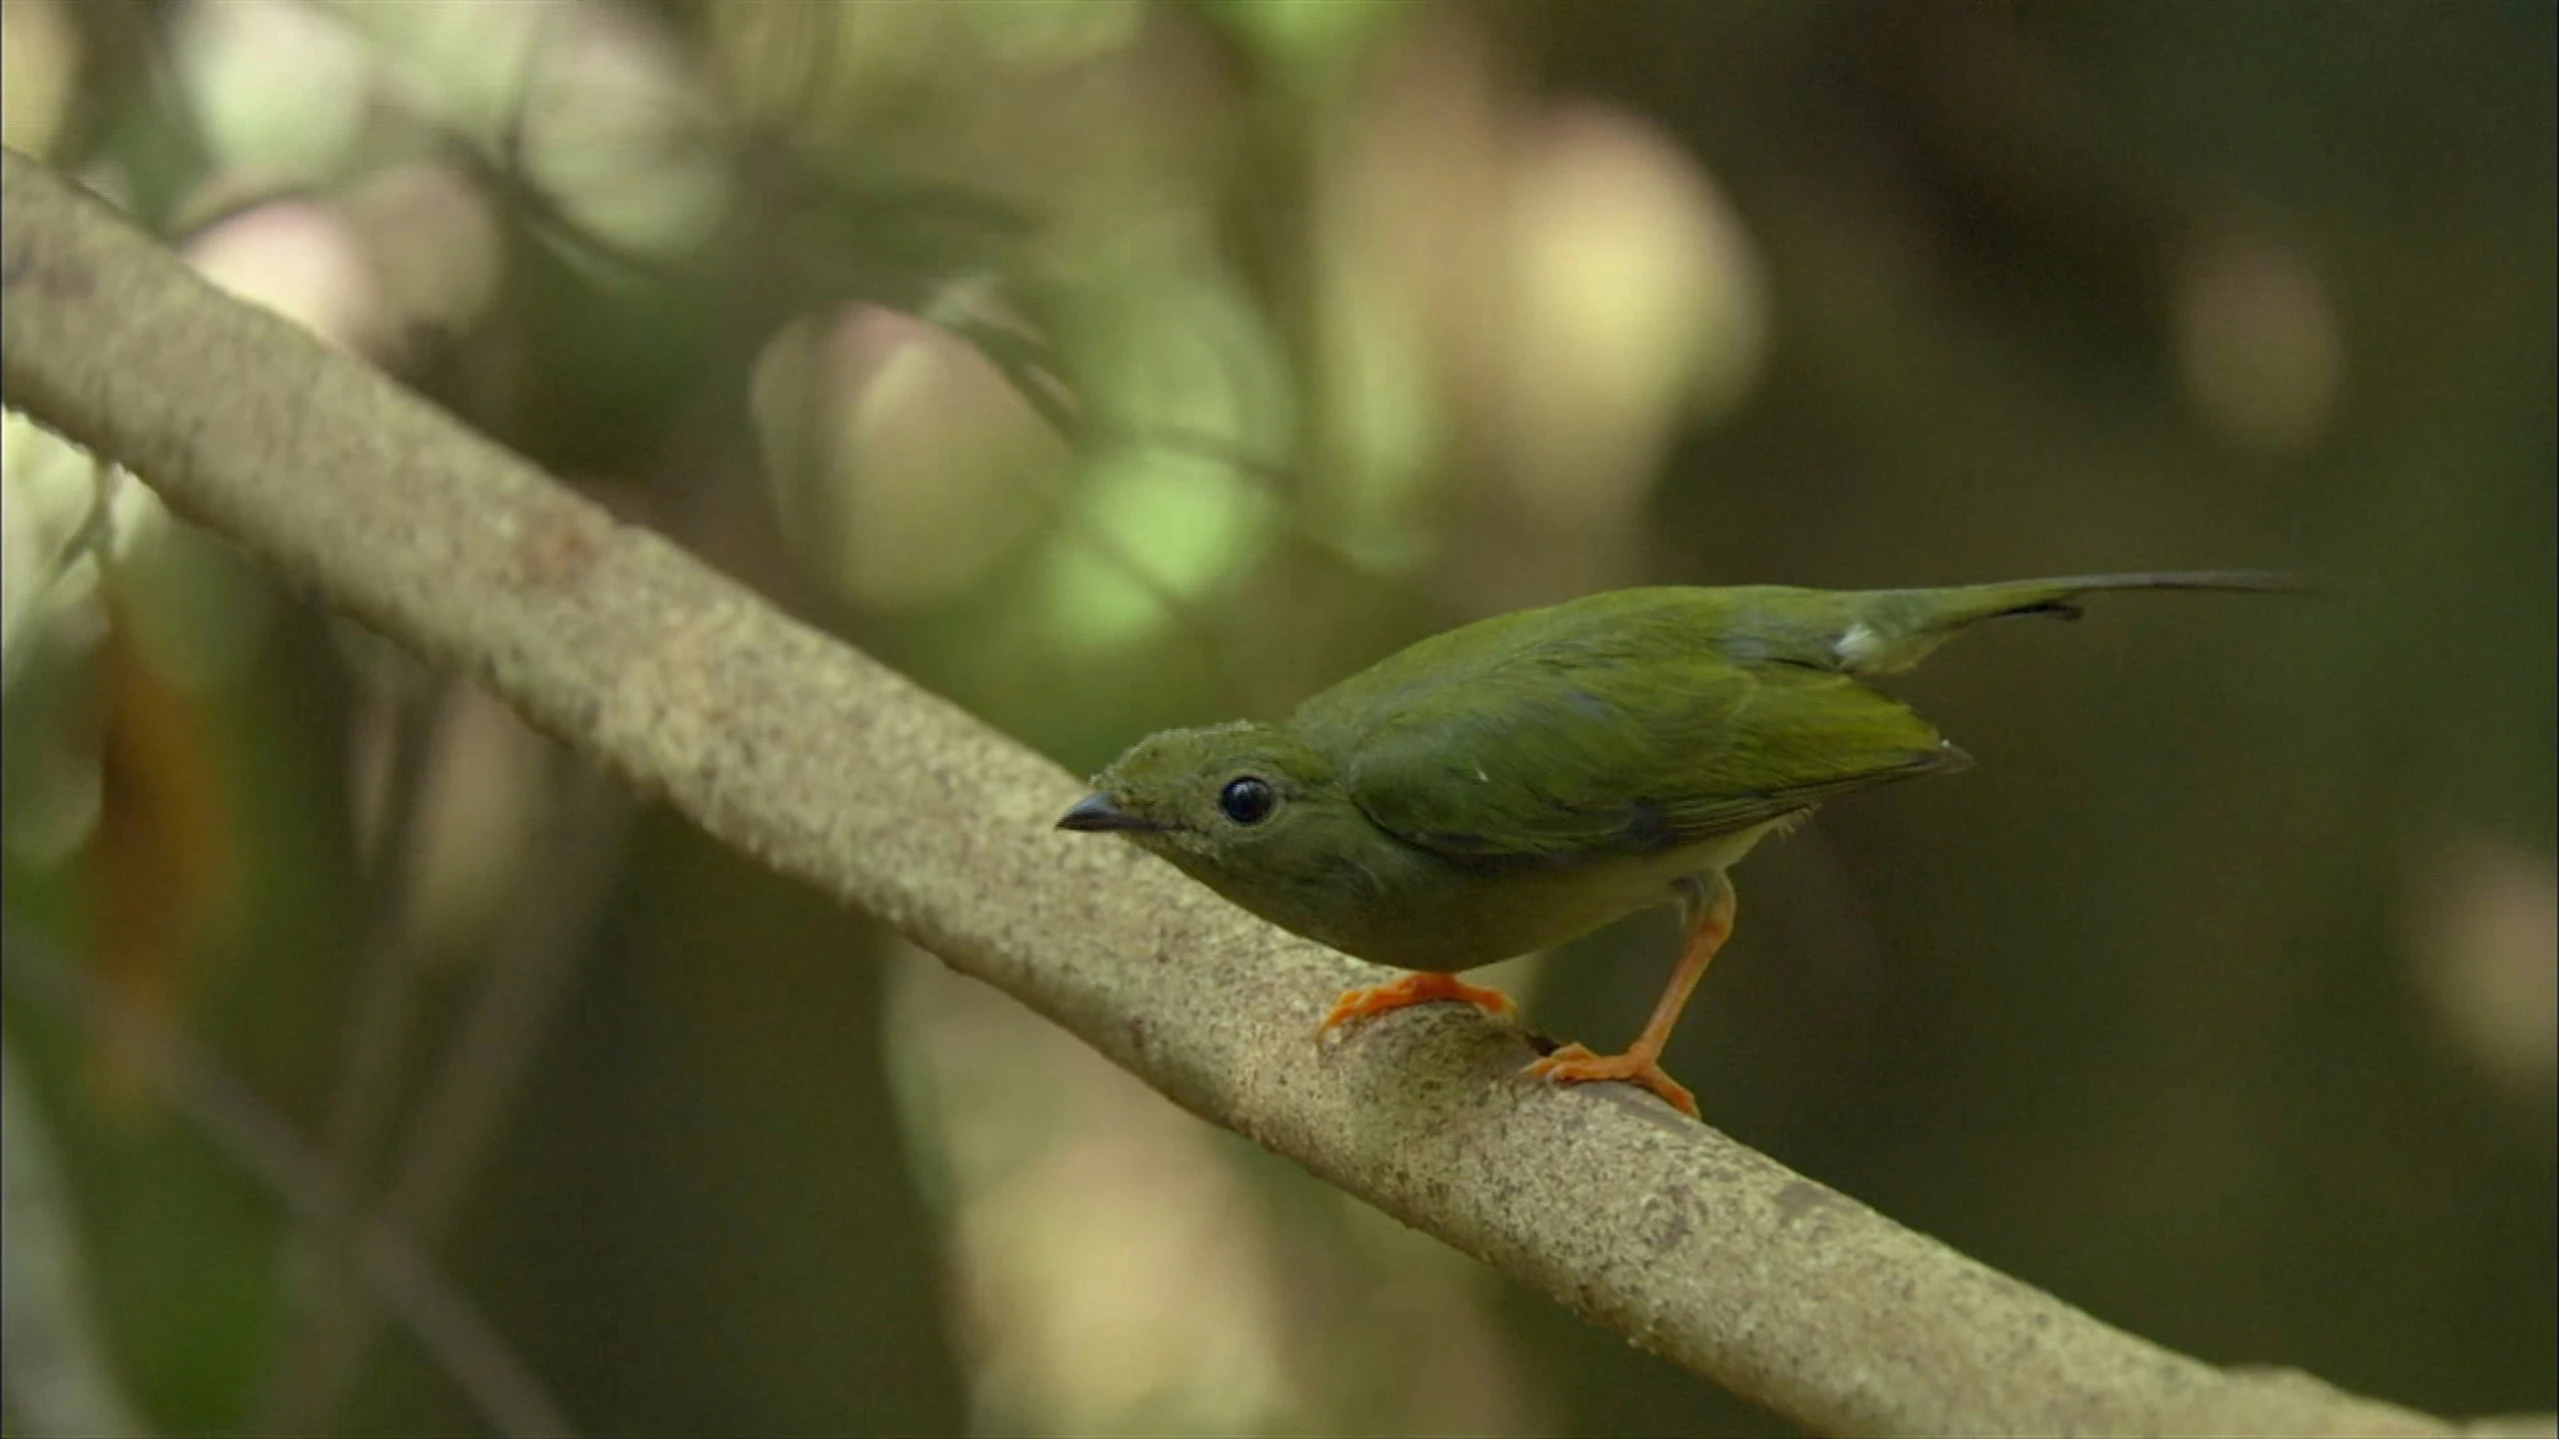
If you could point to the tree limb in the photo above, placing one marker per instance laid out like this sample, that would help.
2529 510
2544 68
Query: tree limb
832 769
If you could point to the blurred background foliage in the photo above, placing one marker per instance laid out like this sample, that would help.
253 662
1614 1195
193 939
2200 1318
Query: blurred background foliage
1107 365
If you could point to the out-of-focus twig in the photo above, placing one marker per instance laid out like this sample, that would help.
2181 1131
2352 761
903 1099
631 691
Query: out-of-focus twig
92 535
52 1362
385 1011
478 1076
379 1031
830 768
249 1134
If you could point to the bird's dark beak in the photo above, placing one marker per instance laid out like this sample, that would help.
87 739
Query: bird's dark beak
1098 812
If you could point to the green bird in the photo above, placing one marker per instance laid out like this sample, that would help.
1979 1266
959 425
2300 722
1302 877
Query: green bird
1520 781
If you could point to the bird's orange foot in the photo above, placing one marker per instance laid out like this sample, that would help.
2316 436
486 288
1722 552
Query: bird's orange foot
1574 1064
1420 987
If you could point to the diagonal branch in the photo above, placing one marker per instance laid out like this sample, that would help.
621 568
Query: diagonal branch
832 769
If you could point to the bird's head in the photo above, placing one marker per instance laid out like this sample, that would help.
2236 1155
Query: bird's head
1247 809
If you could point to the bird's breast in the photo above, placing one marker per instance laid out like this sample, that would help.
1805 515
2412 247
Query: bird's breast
1450 916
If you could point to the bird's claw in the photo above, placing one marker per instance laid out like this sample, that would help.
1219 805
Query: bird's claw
1417 988
1575 1064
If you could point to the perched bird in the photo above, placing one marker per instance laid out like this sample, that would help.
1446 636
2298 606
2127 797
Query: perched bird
1518 782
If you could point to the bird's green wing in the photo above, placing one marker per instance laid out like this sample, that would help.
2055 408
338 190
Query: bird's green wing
1554 756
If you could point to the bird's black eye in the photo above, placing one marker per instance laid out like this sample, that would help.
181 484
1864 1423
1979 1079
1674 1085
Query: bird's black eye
1248 800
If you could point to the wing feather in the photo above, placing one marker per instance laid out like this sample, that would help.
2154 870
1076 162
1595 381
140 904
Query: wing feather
1581 751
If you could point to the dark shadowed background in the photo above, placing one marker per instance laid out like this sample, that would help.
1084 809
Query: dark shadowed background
1108 365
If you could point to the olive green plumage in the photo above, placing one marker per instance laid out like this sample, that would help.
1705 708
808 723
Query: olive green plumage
1515 783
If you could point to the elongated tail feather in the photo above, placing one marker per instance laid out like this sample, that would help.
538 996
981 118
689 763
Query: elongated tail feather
1888 631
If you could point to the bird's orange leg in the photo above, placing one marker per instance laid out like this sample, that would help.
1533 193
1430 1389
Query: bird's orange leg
1419 987
1710 924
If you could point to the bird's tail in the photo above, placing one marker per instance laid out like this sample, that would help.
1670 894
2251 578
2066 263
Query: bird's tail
1891 630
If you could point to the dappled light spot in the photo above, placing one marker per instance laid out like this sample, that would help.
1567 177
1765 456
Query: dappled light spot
39 58
2257 343
301 260
278 89
2483 929
1637 306
903 466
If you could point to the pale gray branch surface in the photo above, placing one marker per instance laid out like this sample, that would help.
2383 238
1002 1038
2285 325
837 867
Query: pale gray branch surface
830 768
